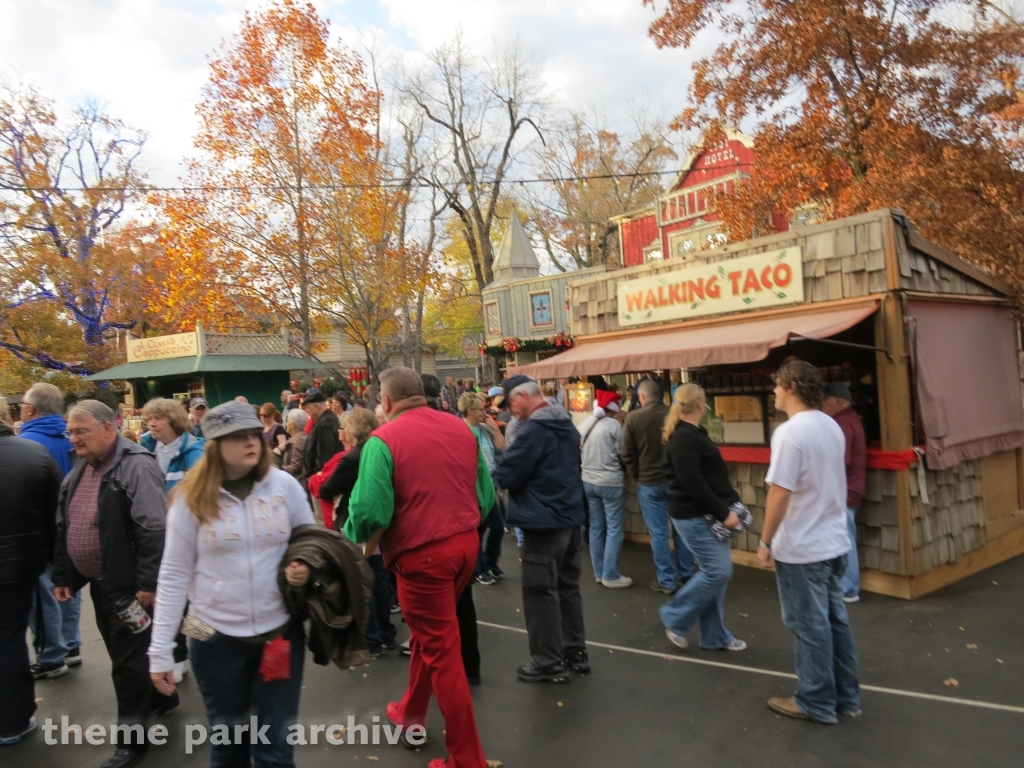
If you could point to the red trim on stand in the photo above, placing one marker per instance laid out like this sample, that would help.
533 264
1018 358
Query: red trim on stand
895 461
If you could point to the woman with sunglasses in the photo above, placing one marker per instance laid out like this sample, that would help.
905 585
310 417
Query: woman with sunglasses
228 527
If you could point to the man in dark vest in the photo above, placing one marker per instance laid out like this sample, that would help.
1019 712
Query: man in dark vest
424 514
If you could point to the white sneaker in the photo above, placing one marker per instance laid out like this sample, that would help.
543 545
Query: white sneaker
619 583
180 670
853 599
676 639
7 741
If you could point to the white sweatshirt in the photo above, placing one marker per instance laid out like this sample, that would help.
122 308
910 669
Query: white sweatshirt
227 568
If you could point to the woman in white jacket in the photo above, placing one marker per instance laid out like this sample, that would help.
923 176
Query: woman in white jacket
228 527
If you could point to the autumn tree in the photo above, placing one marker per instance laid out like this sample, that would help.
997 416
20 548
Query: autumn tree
596 174
453 307
865 104
69 267
285 112
484 113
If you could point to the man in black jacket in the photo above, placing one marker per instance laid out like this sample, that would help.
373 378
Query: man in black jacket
31 481
323 441
541 470
110 535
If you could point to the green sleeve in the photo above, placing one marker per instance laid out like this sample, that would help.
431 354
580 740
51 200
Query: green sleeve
485 493
372 502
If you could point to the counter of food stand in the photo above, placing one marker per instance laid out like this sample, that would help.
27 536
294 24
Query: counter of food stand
927 343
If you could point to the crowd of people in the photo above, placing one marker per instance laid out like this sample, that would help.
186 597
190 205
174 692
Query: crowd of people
198 542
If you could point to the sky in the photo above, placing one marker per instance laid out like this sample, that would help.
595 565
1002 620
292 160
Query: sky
145 61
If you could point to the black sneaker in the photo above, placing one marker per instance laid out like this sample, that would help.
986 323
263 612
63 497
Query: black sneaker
49 671
388 646
473 679
404 649
556 673
396 608
124 757
166 705
486 579
578 660
497 573
74 657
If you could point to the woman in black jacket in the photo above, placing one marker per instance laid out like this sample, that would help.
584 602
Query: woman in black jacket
699 486
356 426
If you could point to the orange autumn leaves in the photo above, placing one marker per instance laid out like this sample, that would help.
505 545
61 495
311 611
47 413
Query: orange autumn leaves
283 183
867 104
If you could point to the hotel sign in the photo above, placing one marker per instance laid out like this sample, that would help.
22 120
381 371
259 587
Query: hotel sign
163 347
752 282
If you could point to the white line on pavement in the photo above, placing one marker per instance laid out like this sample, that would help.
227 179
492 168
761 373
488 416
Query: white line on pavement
789 675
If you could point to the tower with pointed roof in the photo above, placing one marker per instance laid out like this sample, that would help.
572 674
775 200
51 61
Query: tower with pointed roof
515 258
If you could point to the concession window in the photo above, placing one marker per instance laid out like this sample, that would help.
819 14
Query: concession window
732 340
968 380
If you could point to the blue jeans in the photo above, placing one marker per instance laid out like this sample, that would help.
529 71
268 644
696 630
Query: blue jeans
227 670
379 629
670 566
605 502
811 597
56 628
851 579
490 542
702 598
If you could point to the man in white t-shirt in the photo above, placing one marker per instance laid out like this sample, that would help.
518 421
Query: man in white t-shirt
805 532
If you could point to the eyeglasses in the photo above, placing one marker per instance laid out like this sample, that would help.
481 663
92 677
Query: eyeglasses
76 433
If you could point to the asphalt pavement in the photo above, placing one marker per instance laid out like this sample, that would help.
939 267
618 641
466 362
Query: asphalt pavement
943 678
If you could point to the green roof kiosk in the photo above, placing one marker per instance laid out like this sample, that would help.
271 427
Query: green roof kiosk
216 366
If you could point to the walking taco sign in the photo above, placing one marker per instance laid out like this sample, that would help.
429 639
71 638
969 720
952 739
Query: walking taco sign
163 347
752 282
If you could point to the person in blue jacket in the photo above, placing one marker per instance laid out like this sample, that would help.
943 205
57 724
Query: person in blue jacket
541 470
170 438
54 625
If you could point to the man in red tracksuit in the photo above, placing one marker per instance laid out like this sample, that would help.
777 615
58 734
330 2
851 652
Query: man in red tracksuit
425 515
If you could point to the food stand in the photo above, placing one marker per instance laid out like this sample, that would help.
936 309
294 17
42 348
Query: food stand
927 343
215 366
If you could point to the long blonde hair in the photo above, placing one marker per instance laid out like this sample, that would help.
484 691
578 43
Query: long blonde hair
201 484
686 400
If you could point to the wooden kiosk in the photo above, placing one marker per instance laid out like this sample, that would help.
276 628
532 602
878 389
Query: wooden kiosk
927 342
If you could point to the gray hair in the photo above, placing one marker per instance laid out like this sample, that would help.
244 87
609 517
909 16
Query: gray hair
298 417
398 383
528 388
359 424
650 389
98 411
45 398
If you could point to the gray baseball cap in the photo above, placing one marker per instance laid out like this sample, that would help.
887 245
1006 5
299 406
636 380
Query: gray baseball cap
229 417
838 389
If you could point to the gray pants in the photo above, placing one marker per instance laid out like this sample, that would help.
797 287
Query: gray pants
551 593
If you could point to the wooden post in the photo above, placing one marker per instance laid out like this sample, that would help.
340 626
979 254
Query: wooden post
894 393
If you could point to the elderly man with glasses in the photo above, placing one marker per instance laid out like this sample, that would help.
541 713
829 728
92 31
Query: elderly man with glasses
110 535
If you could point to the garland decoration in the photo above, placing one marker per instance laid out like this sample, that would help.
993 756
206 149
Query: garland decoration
510 345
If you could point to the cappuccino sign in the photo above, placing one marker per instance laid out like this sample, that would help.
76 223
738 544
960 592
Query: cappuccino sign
163 347
752 282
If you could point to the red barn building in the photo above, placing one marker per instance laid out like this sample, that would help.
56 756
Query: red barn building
678 225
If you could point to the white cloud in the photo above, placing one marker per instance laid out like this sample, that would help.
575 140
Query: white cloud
146 60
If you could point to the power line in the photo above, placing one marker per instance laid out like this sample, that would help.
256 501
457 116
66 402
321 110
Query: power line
396 184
